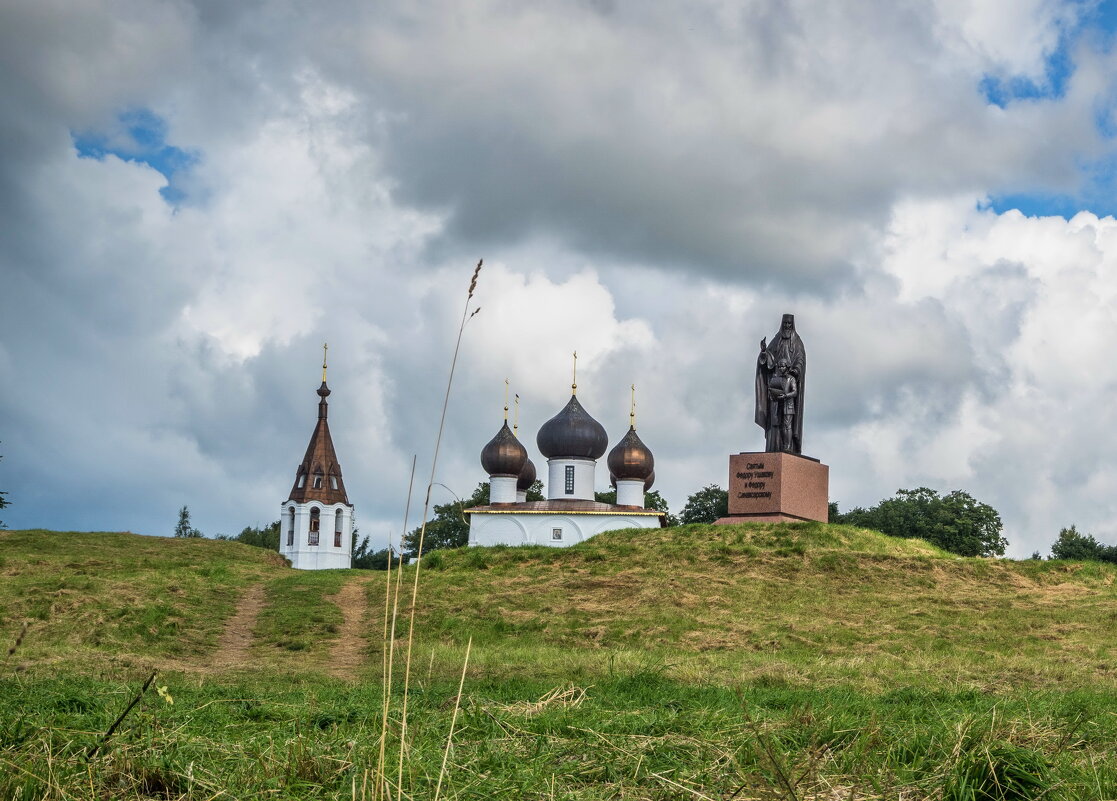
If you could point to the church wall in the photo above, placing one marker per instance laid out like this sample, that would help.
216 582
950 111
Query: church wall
583 478
325 555
497 530
502 489
513 529
630 493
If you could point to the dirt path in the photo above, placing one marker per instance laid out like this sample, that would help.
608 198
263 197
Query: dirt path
236 640
347 653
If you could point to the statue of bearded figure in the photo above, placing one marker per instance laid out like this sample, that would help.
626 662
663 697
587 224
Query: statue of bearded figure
771 412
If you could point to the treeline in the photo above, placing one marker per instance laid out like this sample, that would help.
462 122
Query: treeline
1073 545
956 522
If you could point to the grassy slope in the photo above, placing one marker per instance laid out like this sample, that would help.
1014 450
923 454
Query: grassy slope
781 605
722 659
92 596
784 605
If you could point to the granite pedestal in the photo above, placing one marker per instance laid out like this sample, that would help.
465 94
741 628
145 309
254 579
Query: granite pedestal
777 487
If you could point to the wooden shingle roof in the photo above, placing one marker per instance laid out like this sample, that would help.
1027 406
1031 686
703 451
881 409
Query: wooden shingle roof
319 475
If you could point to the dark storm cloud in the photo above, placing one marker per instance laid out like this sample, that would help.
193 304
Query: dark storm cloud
757 145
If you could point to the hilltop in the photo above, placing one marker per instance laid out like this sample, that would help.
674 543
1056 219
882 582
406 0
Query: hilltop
783 604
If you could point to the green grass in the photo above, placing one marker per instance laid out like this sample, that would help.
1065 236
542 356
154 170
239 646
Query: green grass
638 735
299 615
785 661
103 599
802 604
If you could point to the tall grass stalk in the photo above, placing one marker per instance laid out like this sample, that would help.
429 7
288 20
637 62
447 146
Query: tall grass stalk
97 747
390 638
466 317
453 720
385 676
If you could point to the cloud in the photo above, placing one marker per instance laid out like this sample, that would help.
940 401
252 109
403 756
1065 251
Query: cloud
650 184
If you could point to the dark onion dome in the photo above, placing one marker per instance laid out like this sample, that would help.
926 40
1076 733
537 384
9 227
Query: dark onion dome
572 434
504 455
527 476
631 459
649 481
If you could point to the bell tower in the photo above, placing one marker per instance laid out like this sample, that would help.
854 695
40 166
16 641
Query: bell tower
316 520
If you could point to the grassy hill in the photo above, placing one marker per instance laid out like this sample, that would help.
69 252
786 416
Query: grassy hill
785 605
788 604
770 661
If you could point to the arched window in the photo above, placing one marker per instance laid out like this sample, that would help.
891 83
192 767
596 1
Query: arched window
317 481
337 529
312 538
333 482
290 525
302 480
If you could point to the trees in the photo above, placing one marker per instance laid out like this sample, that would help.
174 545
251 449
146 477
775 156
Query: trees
956 522
1072 545
366 559
449 527
706 505
266 537
652 500
183 529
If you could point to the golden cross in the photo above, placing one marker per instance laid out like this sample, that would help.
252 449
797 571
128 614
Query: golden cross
632 410
506 400
574 385
325 347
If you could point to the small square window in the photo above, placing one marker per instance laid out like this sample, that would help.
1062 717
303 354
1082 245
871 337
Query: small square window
556 533
570 479
312 538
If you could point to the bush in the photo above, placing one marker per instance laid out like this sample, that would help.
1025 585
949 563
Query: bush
1072 545
957 522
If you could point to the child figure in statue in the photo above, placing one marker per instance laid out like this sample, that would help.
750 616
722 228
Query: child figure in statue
782 390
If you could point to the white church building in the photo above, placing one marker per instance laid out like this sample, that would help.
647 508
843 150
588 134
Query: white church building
572 442
316 520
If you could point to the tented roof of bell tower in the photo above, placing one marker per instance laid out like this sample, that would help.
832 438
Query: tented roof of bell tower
319 475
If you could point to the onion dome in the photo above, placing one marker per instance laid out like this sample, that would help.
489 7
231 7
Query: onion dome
647 481
631 459
572 434
527 476
504 455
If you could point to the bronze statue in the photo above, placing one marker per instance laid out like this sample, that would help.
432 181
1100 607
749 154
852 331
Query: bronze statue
781 376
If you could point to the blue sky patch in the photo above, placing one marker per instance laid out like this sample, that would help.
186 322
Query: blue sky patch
140 136
1097 193
1057 70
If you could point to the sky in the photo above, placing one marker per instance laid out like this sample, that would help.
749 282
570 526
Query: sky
196 194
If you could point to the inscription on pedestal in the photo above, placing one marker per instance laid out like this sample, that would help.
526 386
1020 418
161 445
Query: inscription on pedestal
754 479
777 484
